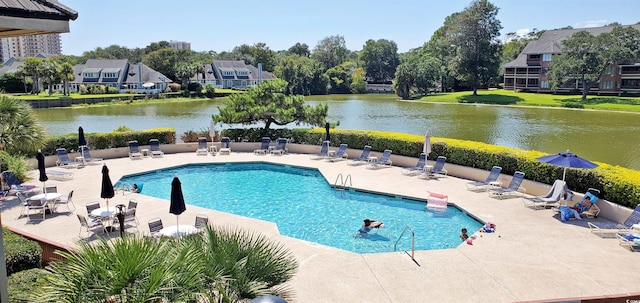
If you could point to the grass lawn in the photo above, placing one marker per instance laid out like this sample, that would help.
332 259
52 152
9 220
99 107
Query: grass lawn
507 97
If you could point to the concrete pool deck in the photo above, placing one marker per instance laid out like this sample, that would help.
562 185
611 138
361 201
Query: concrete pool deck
531 256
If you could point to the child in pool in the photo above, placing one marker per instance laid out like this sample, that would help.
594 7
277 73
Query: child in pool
368 225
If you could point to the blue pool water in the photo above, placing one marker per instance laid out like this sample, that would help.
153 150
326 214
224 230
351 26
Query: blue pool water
306 207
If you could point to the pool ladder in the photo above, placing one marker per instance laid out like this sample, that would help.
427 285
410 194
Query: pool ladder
341 183
122 186
413 242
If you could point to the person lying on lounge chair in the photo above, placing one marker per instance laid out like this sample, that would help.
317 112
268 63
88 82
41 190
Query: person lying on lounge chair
368 226
567 211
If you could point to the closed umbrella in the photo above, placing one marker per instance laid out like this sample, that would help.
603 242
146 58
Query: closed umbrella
212 130
107 187
328 135
177 205
567 160
43 174
81 142
268 299
426 148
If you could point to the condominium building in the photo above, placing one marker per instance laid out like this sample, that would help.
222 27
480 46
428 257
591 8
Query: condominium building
178 45
528 72
30 46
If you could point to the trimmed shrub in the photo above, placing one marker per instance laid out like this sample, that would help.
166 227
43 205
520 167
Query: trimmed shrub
20 253
23 285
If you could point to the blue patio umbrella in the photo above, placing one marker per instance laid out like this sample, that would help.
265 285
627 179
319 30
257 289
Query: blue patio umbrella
268 299
177 205
567 160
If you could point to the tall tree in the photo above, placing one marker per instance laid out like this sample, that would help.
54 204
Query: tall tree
268 103
441 47
340 78
66 73
358 83
331 51
416 74
380 59
163 60
49 71
31 68
264 55
304 76
585 57
20 133
300 50
477 57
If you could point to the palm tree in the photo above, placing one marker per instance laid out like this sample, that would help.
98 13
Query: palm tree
66 73
217 265
31 68
49 71
19 131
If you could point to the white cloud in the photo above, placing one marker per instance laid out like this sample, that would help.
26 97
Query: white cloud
522 32
591 23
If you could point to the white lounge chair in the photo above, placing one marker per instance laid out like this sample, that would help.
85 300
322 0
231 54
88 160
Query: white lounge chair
281 147
340 155
384 160
608 228
264 147
364 157
324 152
552 198
134 150
225 146
202 147
491 180
154 148
410 171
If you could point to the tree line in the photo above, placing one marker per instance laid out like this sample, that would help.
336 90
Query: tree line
464 53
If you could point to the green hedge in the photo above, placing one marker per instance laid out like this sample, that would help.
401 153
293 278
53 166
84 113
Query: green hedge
109 140
617 184
24 285
20 252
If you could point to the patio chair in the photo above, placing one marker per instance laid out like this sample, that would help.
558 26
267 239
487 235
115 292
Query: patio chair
129 217
324 152
264 147
37 206
513 189
418 168
154 148
88 226
608 228
225 146
63 159
155 226
50 189
11 183
23 203
91 207
437 169
134 150
132 204
86 156
339 155
492 180
384 160
552 198
594 196
364 157
66 201
202 147
281 147
201 222
630 240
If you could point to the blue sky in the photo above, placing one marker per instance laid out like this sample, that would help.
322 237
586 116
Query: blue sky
222 25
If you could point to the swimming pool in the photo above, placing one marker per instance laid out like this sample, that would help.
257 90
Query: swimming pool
306 207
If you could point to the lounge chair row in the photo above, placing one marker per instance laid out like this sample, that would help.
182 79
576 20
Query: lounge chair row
154 149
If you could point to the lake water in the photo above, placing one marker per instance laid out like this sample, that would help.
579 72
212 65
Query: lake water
609 137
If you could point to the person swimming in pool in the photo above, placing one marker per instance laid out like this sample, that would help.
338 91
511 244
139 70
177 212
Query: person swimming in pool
368 226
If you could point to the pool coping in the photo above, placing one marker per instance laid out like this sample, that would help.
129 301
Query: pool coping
532 256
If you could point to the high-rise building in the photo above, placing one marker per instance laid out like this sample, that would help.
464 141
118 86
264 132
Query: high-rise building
30 46
177 45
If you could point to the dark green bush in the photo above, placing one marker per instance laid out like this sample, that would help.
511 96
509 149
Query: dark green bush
20 253
24 284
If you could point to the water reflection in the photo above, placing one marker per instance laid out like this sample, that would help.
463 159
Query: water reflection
598 136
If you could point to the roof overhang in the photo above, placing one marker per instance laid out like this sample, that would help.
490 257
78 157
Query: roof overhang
34 17
16 26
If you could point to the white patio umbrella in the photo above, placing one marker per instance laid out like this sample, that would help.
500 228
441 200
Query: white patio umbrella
426 148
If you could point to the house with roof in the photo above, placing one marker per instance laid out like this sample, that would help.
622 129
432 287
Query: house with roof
528 72
232 74
121 74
